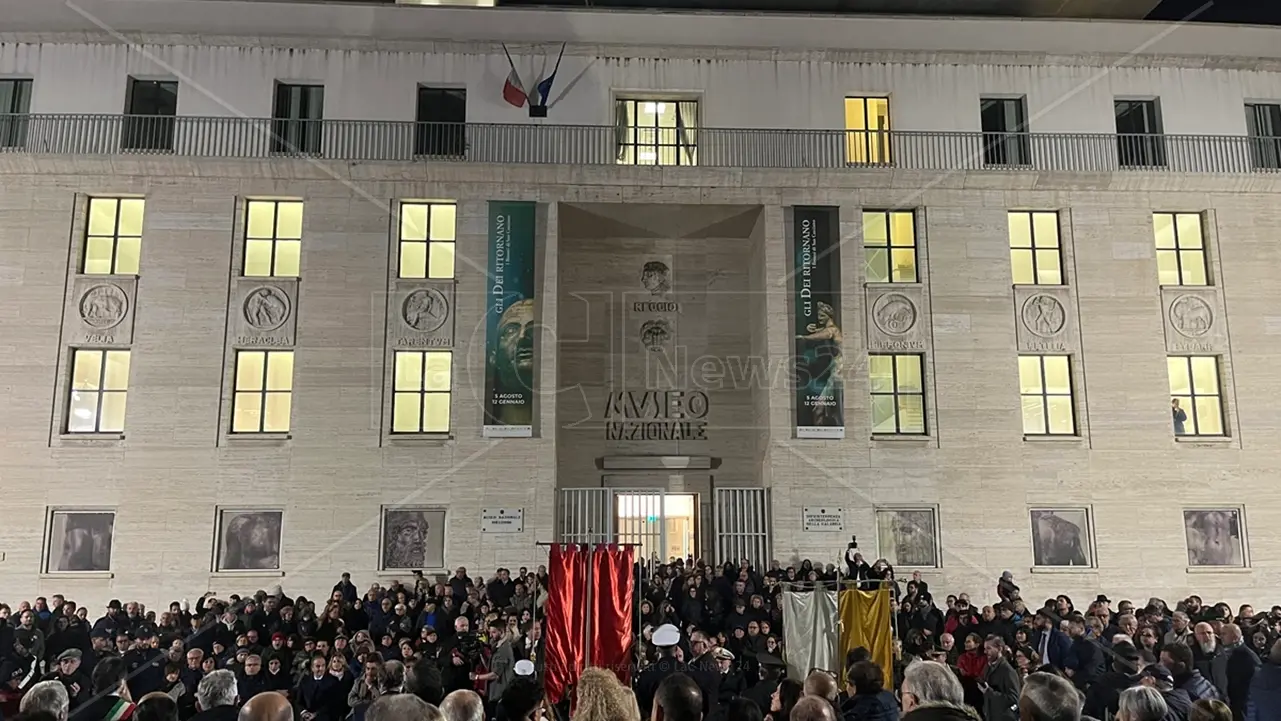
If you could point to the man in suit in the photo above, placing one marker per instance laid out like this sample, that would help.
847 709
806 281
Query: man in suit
1053 645
1000 685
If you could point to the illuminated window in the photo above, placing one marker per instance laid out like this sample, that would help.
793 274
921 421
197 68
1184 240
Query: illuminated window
273 238
1180 249
1195 400
1045 383
264 391
99 386
427 240
898 394
113 239
656 132
867 131
889 245
421 392
1034 248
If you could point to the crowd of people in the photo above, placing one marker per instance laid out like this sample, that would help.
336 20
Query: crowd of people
710 636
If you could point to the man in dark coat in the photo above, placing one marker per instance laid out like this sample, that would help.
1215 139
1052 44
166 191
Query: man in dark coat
1242 664
770 674
1177 702
666 638
1052 644
1001 684
315 698
1264 701
1085 662
67 671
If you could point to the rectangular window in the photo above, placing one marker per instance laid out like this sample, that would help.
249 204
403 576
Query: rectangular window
427 240
889 246
441 122
656 132
1139 140
1005 137
113 236
99 386
867 131
15 106
1263 125
1195 400
1035 255
898 394
150 107
263 391
296 119
1180 249
1045 384
421 392
273 238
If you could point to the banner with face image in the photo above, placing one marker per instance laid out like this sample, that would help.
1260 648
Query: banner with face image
509 321
820 400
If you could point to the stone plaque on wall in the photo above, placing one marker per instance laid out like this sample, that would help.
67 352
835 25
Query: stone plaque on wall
1193 320
101 310
264 312
896 319
1044 319
422 314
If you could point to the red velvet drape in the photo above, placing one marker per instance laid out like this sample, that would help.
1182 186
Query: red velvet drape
565 614
612 611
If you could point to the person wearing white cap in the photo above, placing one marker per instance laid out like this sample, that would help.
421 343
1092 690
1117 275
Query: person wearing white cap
666 637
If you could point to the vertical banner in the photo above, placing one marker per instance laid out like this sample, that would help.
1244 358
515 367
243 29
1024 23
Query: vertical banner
816 277
509 321
564 620
865 621
612 610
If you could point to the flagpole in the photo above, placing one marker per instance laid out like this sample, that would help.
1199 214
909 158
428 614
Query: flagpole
512 64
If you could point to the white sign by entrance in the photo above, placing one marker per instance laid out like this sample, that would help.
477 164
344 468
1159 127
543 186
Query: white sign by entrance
502 520
816 519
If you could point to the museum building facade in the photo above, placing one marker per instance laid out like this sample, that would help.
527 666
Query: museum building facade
369 289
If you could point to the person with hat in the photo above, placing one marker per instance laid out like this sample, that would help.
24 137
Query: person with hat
67 671
1103 695
731 683
666 638
1177 702
770 672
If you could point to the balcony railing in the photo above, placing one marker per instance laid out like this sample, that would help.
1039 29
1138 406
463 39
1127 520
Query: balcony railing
371 140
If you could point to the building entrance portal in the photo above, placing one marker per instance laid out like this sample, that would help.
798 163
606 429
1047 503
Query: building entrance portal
661 525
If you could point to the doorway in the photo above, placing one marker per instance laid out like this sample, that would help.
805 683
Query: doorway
662 525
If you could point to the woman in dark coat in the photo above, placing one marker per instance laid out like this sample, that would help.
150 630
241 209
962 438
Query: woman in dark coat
868 701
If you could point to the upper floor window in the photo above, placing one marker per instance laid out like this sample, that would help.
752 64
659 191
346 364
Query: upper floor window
150 107
889 246
441 122
867 131
113 236
1263 123
1139 142
1045 387
898 394
296 119
99 385
273 238
15 104
1180 249
421 392
427 239
656 132
1195 399
1005 138
1035 256
263 394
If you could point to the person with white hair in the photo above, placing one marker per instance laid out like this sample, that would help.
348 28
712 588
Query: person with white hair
928 684
463 705
48 697
1141 703
216 697
1047 697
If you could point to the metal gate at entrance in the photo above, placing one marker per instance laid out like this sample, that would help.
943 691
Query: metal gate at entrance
664 524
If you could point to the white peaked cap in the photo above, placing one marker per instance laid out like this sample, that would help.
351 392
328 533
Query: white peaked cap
524 667
666 635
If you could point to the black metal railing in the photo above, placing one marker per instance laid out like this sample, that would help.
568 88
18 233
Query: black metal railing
373 140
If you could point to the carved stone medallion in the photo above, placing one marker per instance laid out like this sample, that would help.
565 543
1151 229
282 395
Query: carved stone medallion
894 314
425 310
1190 316
266 308
103 306
655 333
1043 315
656 277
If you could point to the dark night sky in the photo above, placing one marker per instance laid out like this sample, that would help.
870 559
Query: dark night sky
1224 11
